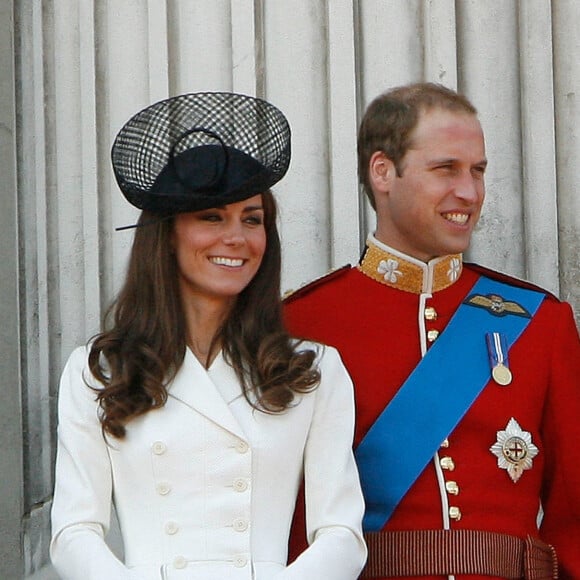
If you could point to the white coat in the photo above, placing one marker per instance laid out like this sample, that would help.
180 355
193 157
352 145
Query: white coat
205 487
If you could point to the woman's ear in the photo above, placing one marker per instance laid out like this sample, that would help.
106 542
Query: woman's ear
381 172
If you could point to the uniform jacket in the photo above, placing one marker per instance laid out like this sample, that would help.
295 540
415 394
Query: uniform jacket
204 487
382 331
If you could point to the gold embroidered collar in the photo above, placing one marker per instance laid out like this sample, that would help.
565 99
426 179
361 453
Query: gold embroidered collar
392 268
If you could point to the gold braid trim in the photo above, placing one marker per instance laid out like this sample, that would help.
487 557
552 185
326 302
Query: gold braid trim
395 271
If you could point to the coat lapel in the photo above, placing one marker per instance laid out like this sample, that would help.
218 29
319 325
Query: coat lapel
193 387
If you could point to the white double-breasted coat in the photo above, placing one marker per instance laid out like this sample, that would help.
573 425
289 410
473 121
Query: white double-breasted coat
205 487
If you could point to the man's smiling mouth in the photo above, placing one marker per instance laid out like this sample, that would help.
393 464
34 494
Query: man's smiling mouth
457 218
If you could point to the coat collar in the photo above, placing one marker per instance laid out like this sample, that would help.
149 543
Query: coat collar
393 268
194 387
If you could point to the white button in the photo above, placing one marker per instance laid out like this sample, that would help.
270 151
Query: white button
240 525
240 561
240 484
163 488
180 562
171 528
158 448
242 447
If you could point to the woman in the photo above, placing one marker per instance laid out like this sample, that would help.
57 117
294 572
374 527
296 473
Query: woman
194 409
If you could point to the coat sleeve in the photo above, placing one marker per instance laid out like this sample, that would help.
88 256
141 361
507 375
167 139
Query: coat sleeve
83 483
333 497
561 435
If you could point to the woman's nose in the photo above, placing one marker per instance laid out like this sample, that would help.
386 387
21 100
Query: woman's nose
234 234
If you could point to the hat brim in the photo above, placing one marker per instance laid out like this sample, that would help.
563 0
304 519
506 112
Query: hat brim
200 150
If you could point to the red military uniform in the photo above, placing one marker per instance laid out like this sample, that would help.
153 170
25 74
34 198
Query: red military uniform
382 316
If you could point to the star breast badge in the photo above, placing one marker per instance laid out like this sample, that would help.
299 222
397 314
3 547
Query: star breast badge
514 450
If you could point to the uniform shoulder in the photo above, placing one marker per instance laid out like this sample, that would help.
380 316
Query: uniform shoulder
317 283
511 280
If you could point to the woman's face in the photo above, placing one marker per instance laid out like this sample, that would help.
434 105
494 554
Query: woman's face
219 250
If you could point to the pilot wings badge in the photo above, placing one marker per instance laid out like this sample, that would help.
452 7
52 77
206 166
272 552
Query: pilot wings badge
496 305
514 450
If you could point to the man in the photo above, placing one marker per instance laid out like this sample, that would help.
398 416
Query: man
467 381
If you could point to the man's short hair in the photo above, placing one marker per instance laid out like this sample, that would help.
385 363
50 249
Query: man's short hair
390 119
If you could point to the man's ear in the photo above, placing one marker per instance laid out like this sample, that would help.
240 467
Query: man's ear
382 171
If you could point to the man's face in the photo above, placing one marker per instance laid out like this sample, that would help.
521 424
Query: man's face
433 207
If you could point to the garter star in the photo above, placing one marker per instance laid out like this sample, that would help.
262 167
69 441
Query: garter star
514 450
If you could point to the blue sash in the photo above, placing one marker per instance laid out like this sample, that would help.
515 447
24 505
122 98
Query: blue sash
437 394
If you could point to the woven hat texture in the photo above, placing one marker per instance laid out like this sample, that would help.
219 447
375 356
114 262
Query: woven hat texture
200 150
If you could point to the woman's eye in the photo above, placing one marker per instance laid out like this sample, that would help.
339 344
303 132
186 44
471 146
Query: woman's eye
210 217
254 220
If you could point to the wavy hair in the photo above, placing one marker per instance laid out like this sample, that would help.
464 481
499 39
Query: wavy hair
143 343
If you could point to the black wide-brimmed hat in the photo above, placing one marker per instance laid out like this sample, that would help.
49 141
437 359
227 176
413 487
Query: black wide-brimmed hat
200 150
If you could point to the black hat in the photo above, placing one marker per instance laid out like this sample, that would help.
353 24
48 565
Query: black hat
200 150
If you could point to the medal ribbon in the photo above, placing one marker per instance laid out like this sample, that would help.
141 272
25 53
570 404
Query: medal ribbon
435 397
497 347
498 357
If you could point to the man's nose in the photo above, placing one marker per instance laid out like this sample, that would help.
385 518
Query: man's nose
468 187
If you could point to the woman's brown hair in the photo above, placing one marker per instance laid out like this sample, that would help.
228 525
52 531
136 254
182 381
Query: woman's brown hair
144 341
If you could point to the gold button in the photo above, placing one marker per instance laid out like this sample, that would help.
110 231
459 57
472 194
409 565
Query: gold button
452 487
430 313
432 335
447 463
180 562
455 513
445 443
